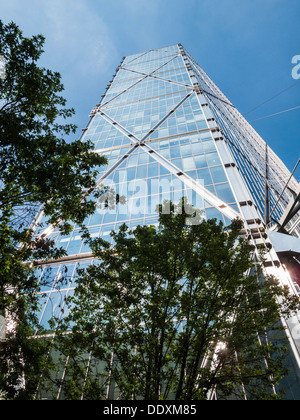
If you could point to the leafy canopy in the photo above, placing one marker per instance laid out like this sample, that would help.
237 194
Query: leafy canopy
38 167
176 311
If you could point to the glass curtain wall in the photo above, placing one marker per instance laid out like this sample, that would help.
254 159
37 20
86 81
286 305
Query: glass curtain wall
168 132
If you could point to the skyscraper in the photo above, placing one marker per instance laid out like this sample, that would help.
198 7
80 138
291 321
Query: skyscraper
168 132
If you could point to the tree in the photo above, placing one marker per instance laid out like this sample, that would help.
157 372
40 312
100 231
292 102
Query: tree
177 311
38 167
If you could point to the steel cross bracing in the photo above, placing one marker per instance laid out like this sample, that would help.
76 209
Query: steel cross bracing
144 143
254 226
155 77
145 77
216 202
187 180
207 94
204 193
147 53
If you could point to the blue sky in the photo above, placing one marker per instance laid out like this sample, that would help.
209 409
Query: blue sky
245 46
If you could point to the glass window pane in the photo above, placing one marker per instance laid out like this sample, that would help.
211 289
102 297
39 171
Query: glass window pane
205 175
224 193
188 164
197 148
201 161
218 174
209 146
213 159
141 172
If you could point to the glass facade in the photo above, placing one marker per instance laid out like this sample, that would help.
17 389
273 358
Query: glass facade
168 132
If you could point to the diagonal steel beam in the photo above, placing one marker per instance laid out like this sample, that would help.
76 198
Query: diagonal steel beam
186 179
131 136
120 94
193 184
119 127
167 116
127 89
173 55
139 56
159 78
215 201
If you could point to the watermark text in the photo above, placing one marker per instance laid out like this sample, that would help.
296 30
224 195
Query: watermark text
296 68
2 68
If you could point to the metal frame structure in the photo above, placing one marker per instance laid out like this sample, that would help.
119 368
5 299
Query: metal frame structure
261 184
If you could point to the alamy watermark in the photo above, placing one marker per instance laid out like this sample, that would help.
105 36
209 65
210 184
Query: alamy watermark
2 68
2 328
141 197
296 68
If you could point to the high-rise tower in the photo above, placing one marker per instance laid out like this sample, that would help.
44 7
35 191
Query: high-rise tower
167 132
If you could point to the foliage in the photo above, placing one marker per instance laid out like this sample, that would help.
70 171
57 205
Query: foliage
36 164
3 396
38 167
175 312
